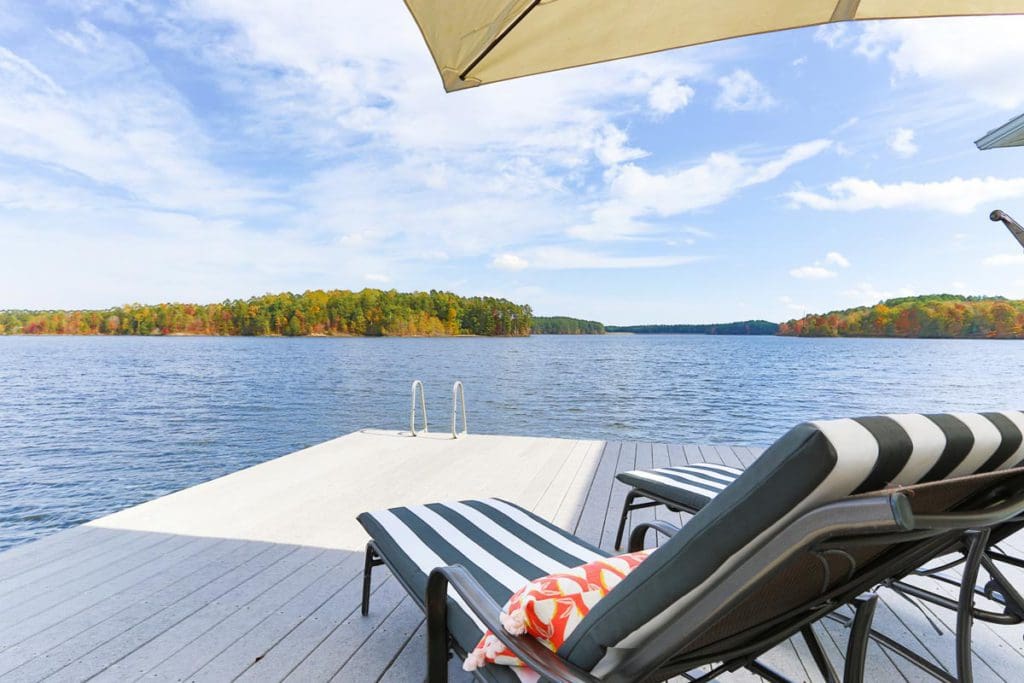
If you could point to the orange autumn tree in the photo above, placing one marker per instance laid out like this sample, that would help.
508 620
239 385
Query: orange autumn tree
937 316
369 312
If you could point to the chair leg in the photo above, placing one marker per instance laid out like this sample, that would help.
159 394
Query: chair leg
860 635
1010 597
767 673
818 653
976 542
372 560
626 507
437 628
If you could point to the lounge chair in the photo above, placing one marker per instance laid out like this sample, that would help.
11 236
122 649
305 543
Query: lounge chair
804 531
965 443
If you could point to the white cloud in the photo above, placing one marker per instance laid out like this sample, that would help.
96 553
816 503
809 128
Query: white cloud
976 56
564 258
956 195
1016 259
788 302
902 142
367 72
818 271
866 294
162 256
377 277
373 162
636 194
812 273
114 124
740 91
833 35
835 258
848 123
611 147
509 262
669 96
799 61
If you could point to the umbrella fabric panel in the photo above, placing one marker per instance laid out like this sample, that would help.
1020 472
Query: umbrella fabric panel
482 41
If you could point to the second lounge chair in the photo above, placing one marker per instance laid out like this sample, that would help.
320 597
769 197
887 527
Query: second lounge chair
808 528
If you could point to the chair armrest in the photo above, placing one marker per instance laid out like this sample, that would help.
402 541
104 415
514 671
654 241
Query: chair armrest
639 533
538 657
989 517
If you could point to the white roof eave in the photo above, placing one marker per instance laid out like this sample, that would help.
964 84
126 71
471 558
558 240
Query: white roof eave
1010 134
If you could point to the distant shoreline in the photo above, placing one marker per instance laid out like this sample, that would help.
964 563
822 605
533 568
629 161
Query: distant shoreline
422 315
485 336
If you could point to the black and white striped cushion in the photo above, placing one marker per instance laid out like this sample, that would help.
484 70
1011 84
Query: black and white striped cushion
812 464
501 544
694 485
690 487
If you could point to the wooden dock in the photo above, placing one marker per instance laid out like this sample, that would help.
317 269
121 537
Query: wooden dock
256 576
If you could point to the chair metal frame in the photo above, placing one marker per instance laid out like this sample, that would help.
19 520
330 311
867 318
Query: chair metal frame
880 519
998 589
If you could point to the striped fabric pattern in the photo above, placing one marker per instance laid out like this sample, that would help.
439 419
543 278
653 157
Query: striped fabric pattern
813 464
501 544
690 487
967 439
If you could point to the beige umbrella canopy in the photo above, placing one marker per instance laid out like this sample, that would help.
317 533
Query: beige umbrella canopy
482 41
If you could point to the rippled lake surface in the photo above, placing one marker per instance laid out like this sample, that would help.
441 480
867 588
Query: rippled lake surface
90 425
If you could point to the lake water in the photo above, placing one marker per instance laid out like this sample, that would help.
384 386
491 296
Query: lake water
89 425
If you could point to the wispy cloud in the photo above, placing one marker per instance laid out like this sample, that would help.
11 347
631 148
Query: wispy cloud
865 293
793 306
819 270
114 127
510 262
740 91
835 258
636 194
984 64
562 258
1016 259
668 96
812 273
210 148
902 142
956 195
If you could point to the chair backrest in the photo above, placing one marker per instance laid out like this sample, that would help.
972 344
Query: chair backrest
812 465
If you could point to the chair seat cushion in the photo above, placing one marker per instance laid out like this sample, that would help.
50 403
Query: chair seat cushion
502 545
688 487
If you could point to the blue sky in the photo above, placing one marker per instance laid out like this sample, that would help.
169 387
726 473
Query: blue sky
213 149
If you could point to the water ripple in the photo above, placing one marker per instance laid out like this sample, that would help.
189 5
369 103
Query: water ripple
91 425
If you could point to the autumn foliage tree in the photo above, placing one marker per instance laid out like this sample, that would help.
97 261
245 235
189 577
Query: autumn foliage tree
369 312
936 316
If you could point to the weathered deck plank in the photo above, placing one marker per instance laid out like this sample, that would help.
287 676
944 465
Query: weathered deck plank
595 503
617 498
82 631
257 576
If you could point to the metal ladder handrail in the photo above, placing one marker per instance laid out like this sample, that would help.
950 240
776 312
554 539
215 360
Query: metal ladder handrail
458 391
423 405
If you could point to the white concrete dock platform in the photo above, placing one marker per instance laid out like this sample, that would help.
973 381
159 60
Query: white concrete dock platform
257 575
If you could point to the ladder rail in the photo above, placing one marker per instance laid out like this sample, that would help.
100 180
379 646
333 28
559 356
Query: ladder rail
423 405
458 392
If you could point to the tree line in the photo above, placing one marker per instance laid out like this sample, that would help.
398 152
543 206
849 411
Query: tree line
369 312
932 316
564 325
759 327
